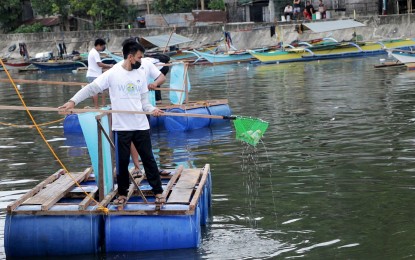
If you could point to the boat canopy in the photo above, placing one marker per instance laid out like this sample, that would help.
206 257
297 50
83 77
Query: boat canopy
332 25
167 40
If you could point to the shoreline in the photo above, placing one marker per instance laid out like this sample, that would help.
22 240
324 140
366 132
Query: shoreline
244 35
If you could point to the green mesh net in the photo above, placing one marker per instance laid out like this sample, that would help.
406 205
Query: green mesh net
250 130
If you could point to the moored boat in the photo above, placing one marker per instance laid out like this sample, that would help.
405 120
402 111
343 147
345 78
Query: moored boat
226 57
13 65
52 65
346 49
403 56
330 48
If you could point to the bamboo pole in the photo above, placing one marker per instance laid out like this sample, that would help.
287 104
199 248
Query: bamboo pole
68 83
168 41
78 111
45 82
186 87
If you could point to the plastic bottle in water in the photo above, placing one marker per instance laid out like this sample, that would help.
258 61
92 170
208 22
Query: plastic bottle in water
256 136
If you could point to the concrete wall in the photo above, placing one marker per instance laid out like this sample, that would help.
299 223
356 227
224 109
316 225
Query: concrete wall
244 35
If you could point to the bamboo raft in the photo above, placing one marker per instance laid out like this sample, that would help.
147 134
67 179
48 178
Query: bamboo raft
59 192
57 217
60 212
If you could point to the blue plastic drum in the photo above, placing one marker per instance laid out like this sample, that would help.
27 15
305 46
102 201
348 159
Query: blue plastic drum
128 233
71 124
219 110
156 121
40 235
184 123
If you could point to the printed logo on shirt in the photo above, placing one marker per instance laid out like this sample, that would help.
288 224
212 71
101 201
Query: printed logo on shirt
130 89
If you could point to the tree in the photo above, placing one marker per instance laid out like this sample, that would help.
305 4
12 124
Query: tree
54 7
101 12
174 6
216 5
11 13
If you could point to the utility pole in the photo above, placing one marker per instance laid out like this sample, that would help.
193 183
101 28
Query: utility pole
202 4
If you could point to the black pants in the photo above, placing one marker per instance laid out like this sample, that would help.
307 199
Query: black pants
163 70
142 142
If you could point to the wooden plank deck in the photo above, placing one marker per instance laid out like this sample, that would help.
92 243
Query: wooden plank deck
184 187
56 190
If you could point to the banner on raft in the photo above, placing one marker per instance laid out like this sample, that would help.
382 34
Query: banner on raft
90 130
178 80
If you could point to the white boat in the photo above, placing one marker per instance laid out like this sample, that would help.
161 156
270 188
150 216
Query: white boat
403 56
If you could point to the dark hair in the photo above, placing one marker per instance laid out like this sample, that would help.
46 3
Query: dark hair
131 47
131 39
99 41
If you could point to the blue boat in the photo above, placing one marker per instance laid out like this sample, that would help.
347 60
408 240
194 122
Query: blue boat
58 218
58 65
228 57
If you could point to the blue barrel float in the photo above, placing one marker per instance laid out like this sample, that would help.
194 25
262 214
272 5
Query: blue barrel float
71 124
55 235
129 233
178 123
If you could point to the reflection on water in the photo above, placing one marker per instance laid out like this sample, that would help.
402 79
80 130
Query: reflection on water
333 178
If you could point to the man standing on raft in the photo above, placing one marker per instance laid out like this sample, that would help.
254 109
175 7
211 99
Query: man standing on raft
127 84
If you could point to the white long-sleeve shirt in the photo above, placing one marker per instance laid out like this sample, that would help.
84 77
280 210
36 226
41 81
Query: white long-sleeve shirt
128 91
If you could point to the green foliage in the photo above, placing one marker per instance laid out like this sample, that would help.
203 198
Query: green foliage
36 27
174 6
101 12
216 5
11 11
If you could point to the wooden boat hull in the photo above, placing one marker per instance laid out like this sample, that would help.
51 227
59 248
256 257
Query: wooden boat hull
54 66
16 65
346 50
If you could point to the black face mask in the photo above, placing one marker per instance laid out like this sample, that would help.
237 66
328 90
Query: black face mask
136 65
104 49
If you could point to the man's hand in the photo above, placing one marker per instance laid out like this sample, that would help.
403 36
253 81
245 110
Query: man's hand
152 86
157 112
68 105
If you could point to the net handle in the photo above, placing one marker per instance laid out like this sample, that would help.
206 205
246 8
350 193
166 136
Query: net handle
77 111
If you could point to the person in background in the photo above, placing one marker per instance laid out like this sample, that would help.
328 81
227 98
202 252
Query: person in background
297 9
128 90
158 58
95 66
288 12
309 10
322 9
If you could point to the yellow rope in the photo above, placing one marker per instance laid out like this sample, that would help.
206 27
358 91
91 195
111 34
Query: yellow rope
31 126
101 208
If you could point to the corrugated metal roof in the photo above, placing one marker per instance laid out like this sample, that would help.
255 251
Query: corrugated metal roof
163 40
319 27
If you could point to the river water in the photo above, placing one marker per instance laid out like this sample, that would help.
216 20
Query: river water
334 177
